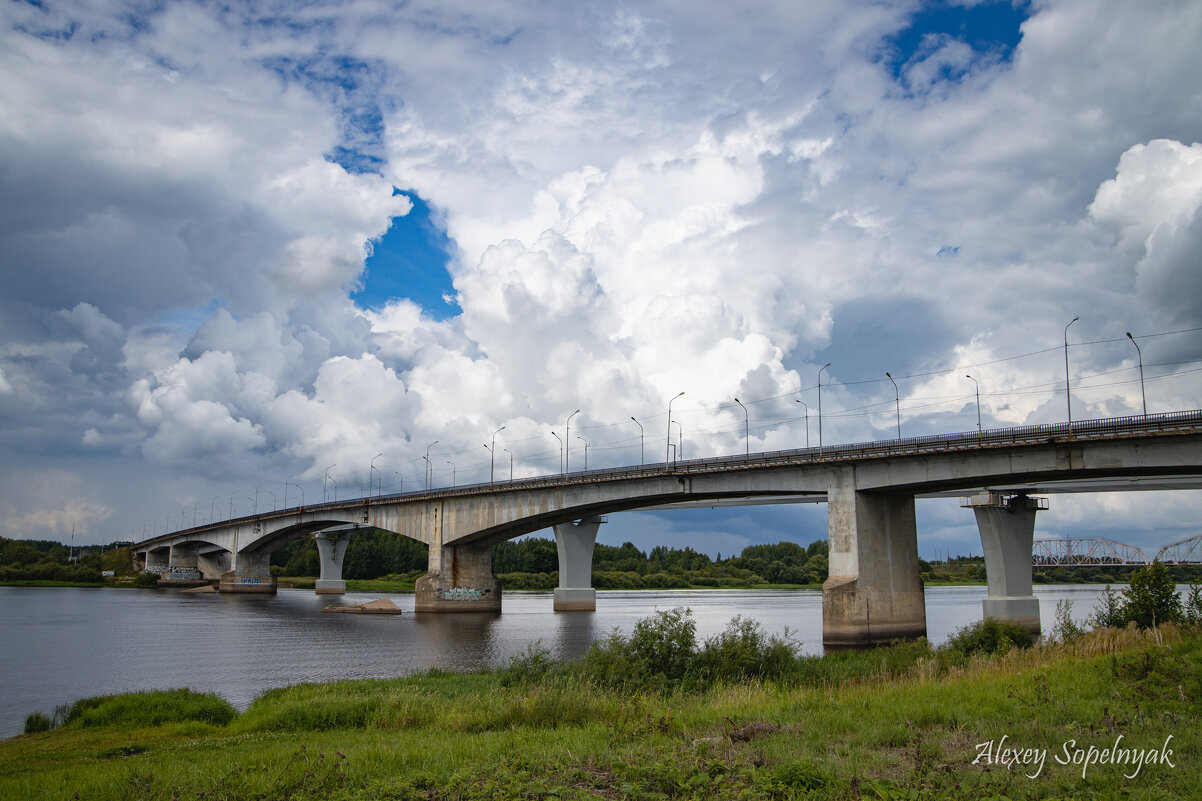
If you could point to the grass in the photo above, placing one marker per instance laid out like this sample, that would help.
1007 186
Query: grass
893 723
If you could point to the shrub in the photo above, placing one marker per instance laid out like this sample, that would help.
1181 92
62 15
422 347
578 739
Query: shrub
153 708
37 722
1108 612
1192 608
665 643
744 650
989 636
1151 597
146 580
1065 628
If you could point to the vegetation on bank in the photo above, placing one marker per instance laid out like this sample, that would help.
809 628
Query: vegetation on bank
47 563
660 715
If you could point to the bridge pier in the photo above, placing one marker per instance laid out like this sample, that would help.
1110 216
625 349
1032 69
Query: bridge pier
1007 527
574 543
212 565
157 560
874 593
181 566
331 547
251 574
460 579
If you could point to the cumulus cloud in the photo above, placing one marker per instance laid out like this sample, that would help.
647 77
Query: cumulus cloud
714 200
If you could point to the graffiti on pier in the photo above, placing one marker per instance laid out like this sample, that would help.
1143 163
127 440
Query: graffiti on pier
464 594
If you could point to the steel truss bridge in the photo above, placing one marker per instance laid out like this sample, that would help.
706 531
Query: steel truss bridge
1097 551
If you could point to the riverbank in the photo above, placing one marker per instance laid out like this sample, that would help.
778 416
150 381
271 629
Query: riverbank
887 724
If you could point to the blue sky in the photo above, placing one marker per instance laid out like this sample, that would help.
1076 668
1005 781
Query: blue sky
624 202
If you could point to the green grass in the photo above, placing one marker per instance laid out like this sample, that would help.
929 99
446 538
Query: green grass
901 722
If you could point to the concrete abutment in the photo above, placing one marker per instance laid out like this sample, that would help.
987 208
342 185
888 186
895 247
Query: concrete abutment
251 573
331 548
460 579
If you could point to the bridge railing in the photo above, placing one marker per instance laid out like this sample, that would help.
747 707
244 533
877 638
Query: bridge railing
909 446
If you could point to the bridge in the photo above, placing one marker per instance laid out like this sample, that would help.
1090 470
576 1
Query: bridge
1099 552
873 593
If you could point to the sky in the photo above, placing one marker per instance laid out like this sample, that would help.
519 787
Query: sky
244 246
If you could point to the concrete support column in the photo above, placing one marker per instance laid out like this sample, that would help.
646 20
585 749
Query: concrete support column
460 579
874 593
331 547
251 574
157 560
212 565
181 566
1007 527
574 542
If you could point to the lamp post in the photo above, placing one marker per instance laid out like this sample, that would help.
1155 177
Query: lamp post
1068 386
255 507
567 443
807 412
287 481
324 480
211 506
585 441
977 388
370 467
274 505
400 482
642 459
232 494
560 451
492 453
452 464
510 463
679 440
429 469
828 364
896 402
670 427
1142 396
334 481
746 430
302 492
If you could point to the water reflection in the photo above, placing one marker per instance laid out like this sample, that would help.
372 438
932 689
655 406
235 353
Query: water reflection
62 644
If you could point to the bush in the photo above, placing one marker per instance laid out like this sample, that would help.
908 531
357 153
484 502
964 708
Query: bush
665 643
37 722
1192 608
1108 612
146 580
1151 598
745 651
989 636
1065 628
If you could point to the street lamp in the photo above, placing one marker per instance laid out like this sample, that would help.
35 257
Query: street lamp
429 469
666 450
977 390
585 441
274 505
896 402
302 492
807 411
567 443
560 451
370 467
400 481
1141 372
211 505
1068 387
977 387
679 440
324 480
492 453
334 481
452 464
510 463
642 459
746 431
254 510
287 481
828 364
232 494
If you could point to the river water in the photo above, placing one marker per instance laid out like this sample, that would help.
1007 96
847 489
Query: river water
61 644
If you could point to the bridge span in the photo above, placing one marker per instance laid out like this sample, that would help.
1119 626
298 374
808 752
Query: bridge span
873 594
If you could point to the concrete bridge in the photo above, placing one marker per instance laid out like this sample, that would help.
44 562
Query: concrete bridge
873 594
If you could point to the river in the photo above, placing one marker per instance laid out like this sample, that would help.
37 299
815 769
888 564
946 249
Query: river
61 644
